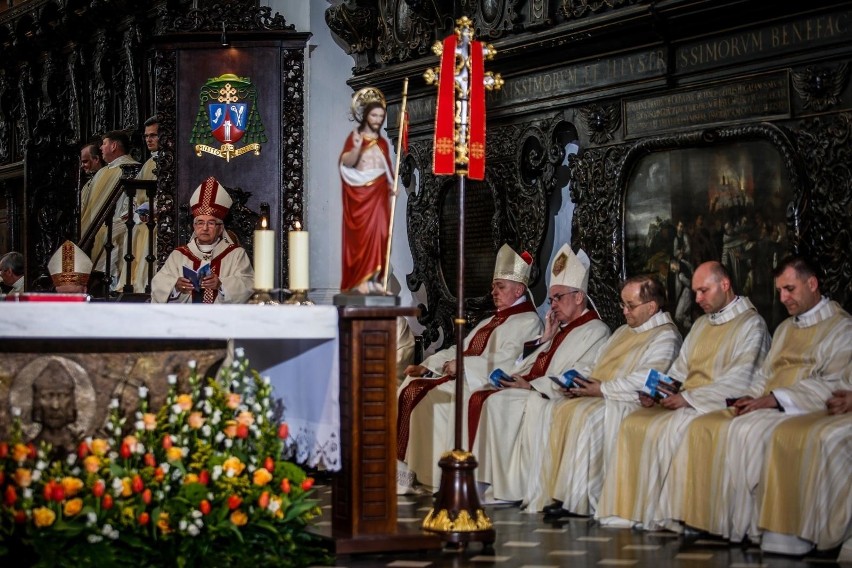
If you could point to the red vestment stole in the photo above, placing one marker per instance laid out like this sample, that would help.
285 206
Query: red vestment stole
542 362
414 392
208 296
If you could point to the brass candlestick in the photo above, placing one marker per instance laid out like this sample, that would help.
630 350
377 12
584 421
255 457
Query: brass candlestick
299 298
263 298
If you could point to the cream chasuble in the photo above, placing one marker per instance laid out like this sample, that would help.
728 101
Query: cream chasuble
717 361
811 356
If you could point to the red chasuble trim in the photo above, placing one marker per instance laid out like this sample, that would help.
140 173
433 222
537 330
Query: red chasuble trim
542 362
416 390
209 296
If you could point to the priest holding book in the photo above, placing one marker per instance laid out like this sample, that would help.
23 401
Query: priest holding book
585 421
224 273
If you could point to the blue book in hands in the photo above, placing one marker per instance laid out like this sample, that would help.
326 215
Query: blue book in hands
196 276
566 379
498 375
659 385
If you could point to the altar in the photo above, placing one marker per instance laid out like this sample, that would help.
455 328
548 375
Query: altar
295 346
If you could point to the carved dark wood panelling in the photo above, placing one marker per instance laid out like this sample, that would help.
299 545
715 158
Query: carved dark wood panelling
581 8
292 142
354 28
238 15
820 87
167 210
404 32
825 143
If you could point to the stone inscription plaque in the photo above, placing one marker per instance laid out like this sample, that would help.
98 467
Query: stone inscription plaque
760 97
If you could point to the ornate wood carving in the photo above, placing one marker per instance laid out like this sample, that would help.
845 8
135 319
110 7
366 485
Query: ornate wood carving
820 87
237 15
824 144
165 62
494 17
581 8
353 24
292 142
601 121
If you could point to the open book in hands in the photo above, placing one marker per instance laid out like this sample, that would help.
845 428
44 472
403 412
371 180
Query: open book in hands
566 379
498 375
196 276
659 385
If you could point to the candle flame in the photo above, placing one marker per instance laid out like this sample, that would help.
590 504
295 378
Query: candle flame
298 226
264 223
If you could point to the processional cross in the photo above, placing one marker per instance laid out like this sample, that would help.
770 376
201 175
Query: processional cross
459 150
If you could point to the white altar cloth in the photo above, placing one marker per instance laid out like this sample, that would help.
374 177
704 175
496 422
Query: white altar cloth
296 346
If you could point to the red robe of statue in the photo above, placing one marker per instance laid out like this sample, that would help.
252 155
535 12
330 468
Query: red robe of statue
366 215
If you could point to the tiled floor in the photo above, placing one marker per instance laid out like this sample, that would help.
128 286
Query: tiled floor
524 540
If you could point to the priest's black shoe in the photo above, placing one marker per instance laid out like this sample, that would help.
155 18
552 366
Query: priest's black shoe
554 507
557 514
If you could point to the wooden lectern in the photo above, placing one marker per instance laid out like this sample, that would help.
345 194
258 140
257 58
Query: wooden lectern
364 497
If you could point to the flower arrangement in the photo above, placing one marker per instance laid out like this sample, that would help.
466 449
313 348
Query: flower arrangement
200 482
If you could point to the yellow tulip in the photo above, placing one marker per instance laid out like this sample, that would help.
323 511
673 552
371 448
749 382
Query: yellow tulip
73 507
100 446
92 464
43 517
174 454
23 477
262 476
184 401
71 485
239 518
234 465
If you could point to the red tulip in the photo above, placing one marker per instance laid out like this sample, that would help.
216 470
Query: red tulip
107 501
269 464
2 476
285 485
98 488
149 460
159 475
204 507
204 477
136 484
4 450
144 518
167 442
234 501
146 496
58 494
124 451
20 517
33 452
82 450
263 500
47 491
307 484
242 431
283 430
10 496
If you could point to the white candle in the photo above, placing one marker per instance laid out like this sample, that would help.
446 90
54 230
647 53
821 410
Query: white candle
298 255
264 259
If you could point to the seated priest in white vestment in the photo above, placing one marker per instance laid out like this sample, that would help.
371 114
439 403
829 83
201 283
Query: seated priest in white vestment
209 268
806 495
69 269
504 423
810 357
718 359
426 417
586 420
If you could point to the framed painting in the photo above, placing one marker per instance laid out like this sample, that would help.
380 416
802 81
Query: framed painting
727 202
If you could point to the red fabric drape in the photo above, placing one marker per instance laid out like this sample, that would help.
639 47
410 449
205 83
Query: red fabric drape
444 154
366 216
476 104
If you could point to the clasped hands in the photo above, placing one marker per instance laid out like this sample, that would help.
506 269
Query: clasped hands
209 282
